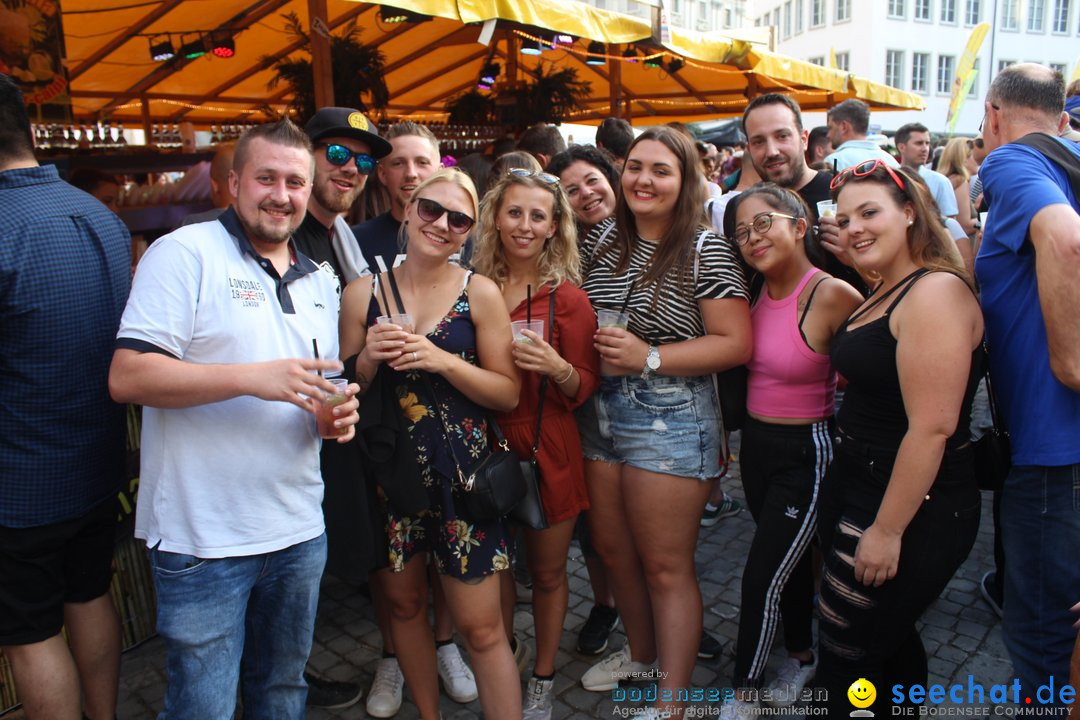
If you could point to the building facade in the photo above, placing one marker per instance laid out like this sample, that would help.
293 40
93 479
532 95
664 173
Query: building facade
915 45
699 15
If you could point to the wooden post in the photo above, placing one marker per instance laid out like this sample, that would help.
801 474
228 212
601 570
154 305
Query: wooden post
320 54
146 124
614 79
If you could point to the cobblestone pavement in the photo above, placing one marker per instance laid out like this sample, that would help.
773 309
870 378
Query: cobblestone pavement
962 635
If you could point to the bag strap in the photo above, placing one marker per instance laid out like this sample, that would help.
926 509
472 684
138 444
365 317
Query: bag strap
995 417
544 382
1055 151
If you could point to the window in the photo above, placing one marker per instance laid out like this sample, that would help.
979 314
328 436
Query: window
1058 67
1010 15
973 92
894 68
817 13
971 12
800 14
1036 11
843 61
843 11
922 9
920 64
1060 22
945 65
948 11
776 18
897 9
787 19
819 60
1002 64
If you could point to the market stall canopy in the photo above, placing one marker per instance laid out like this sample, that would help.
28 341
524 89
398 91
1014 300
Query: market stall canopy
433 53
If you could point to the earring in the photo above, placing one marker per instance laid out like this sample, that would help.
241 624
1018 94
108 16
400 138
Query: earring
910 223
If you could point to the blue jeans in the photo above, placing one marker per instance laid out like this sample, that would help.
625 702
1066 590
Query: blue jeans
1040 524
255 612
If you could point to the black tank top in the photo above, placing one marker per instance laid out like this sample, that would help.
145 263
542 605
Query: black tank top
873 407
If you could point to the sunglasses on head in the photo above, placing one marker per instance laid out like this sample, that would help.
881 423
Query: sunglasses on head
541 176
340 155
867 167
430 211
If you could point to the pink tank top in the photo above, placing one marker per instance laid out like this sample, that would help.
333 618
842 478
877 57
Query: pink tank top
787 379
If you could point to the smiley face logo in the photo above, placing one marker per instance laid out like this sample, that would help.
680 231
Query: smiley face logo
862 693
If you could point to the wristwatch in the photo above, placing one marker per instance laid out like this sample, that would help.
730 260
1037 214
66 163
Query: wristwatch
652 363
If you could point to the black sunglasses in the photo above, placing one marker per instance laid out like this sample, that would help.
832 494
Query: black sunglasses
430 211
340 155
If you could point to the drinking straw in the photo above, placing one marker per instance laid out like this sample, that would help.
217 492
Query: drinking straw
528 303
315 347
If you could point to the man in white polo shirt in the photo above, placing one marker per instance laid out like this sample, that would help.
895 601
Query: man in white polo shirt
216 341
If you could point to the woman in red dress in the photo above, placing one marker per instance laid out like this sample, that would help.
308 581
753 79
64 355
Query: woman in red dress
527 239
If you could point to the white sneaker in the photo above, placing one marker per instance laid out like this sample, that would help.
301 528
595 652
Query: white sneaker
538 699
739 710
384 699
606 674
784 691
457 678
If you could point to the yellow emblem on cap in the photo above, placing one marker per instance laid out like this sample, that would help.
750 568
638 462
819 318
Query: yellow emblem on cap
358 121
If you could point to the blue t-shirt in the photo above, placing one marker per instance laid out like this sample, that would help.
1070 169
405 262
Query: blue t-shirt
1041 414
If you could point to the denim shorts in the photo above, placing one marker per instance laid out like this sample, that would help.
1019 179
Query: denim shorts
668 425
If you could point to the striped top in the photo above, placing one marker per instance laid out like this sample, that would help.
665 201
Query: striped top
675 316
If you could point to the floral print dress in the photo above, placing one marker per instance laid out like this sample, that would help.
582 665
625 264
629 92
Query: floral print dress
463 547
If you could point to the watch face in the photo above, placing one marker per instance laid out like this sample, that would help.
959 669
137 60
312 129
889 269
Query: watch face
653 361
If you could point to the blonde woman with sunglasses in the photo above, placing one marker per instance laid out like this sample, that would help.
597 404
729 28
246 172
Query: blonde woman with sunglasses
527 244
457 348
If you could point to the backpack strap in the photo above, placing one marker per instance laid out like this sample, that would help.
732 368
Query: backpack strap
1056 151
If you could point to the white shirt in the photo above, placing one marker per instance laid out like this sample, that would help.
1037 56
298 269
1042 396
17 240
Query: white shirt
238 477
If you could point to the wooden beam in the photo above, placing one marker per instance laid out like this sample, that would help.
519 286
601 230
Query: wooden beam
319 35
159 12
179 97
434 42
250 15
425 80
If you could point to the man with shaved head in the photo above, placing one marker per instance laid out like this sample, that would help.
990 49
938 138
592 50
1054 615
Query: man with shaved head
1027 266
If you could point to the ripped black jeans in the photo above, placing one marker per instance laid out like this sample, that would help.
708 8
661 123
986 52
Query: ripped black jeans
868 632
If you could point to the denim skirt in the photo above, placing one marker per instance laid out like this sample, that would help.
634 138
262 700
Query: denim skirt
667 425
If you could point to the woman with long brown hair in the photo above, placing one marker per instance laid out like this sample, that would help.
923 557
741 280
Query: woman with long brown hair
899 506
652 434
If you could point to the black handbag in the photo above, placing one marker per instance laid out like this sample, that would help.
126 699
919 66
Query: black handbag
530 510
992 452
495 484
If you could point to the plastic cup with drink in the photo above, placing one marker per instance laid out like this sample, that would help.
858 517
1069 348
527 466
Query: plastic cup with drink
518 328
324 409
612 318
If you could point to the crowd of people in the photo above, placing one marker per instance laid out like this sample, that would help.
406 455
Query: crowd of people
612 313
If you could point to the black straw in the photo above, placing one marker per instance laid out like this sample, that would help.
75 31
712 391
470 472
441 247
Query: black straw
315 347
528 303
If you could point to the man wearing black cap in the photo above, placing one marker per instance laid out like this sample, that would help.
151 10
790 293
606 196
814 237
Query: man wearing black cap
347 148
